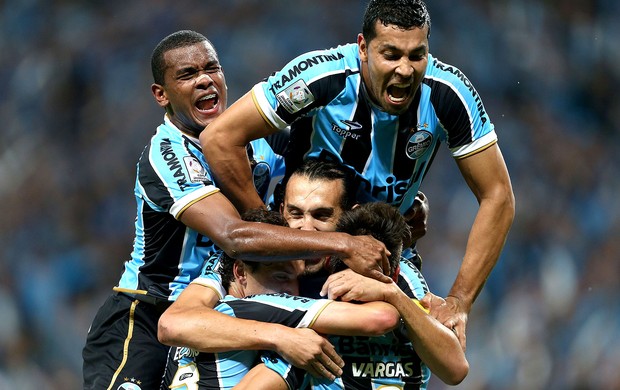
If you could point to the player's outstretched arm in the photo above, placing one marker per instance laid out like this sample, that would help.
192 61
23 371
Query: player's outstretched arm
192 322
353 319
215 217
487 177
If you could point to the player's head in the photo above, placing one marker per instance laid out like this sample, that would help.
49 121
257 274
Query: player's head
316 194
188 80
242 278
393 48
380 220
405 14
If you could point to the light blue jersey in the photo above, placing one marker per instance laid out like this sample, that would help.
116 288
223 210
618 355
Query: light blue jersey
194 370
172 175
321 96
384 362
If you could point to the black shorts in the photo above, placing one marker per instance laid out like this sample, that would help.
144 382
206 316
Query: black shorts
122 346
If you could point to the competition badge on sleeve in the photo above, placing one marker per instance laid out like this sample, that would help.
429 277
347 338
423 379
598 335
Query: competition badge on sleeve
197 172
296 97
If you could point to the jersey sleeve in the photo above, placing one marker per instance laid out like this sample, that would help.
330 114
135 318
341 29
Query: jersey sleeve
292 375
459 109
172 173
410 280
309 81
209 275
267 166
284 309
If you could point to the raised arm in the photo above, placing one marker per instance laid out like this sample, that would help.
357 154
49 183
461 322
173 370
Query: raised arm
223 143
487 177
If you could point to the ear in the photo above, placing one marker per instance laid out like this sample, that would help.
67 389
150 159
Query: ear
160 95
362 47
239 272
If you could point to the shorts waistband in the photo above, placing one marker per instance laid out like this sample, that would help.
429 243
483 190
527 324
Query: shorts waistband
159 303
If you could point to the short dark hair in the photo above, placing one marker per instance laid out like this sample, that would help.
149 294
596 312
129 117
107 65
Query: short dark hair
380 220
175 40
253 215
405 14
315 169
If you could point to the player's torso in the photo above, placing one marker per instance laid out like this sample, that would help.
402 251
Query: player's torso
322 96
172 174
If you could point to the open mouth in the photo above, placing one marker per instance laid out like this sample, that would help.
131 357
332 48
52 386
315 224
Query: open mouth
207 102
398 93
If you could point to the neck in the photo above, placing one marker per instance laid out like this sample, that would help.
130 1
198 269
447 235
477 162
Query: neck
236 290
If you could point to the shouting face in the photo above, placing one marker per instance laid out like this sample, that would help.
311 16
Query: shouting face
393 65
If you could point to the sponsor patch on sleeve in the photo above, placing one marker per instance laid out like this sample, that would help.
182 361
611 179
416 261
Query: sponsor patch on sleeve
296 97
197 173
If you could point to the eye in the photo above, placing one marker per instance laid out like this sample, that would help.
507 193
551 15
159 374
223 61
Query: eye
187 75
295 214
213 69
323 217
417 57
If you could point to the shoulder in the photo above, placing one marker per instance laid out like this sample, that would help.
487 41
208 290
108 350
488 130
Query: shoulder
314 63
443 72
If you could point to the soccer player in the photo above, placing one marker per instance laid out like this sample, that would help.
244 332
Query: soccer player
223 369
181 218
382 107
403 358
316 196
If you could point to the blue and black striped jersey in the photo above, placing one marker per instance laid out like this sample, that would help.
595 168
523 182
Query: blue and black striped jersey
172 174
194 370
321 96
384 362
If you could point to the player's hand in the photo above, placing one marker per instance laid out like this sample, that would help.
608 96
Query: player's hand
369 257
450 313
432 302
348 286
417 218
306 349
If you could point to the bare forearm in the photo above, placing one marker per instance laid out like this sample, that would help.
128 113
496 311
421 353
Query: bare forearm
436 345
357 319
484 245
207 330
273 243
231 168
224 144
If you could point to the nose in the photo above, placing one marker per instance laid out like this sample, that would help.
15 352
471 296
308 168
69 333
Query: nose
308 224
404 68
203 79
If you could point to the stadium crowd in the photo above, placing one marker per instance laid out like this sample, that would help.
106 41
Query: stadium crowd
77 111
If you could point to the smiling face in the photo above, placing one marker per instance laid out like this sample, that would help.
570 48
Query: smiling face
194 89
393 65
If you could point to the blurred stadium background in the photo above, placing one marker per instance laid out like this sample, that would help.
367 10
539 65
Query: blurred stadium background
77 110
